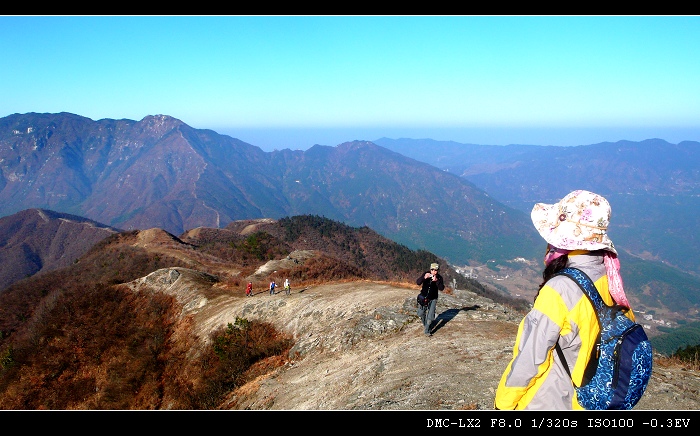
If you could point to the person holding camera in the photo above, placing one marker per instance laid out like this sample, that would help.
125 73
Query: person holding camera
431 282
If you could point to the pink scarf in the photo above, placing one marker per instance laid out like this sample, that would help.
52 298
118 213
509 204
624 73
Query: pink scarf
612 267
553 253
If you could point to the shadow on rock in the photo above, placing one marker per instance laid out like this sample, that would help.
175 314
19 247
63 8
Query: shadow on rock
442 319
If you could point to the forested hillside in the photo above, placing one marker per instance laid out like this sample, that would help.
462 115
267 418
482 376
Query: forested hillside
63 331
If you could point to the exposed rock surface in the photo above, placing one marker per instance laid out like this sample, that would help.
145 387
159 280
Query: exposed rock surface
360 346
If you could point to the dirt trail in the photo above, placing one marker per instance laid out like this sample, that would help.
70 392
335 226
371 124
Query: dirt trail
360 346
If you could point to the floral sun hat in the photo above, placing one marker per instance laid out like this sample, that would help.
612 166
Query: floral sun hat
578 222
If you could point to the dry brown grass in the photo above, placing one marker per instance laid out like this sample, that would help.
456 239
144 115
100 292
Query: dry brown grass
675 362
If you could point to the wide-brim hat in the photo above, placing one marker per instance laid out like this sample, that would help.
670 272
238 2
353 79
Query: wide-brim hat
578 222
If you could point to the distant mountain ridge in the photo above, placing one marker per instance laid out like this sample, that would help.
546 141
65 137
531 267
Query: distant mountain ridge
653 186
159 172
156 172
39 240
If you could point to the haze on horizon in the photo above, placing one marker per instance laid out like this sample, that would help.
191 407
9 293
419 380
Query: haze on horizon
294 81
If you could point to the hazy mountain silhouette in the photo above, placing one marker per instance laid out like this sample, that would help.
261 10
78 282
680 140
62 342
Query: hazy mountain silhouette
653 186
159 172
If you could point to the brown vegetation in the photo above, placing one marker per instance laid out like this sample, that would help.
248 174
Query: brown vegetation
74 339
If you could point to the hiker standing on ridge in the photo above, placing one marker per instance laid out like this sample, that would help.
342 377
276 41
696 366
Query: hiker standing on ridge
249 290
272 287
431 282
287 287
576 232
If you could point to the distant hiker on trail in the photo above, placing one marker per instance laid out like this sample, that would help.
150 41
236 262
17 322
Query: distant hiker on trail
272 287
287 287
431 282
576 232
249 290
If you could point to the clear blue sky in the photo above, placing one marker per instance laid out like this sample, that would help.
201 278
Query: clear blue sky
295 81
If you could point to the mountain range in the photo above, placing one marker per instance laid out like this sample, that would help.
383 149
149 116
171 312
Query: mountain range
126 247
653 186
468 204
159 172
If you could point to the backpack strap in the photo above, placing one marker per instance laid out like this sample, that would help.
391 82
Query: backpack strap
588 287
563 360
586 284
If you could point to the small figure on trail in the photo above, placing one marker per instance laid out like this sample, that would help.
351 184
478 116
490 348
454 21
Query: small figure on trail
249 290
287 287
431 282
272 287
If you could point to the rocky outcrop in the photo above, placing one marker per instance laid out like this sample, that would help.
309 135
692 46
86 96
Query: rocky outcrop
360 346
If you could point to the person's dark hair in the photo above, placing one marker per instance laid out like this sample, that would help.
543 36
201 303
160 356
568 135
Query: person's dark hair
554 266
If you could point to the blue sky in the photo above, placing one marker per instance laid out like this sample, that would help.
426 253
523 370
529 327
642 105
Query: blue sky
295 81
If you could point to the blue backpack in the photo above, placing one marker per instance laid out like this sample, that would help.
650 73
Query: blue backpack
619 369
